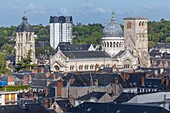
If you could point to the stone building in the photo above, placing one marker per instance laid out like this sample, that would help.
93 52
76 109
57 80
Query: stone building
25 41
113 53
136 39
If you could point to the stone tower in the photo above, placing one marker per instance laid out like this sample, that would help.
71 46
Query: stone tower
25 41
136 39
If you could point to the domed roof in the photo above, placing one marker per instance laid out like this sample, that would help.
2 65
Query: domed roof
112 29
24 26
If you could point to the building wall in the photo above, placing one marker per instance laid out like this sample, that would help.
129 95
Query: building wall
60 32
136 39
112 45
8 98
24 42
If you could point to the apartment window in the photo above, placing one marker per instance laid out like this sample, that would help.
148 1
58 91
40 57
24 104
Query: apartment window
72 67
13 97
6 97
81 67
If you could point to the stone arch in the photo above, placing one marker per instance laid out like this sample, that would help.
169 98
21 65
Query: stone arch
127 64
57 68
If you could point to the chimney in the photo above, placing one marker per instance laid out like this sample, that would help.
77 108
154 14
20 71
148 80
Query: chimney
59 87
167 82
96 82
30 79
47 74
46 91
161 70
25 80
162 80
42 69
54 76
142 81
156 72
11 80
46 103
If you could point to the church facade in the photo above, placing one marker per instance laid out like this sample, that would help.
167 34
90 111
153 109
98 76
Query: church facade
116 51
25 41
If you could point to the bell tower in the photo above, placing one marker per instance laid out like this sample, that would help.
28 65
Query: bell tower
136 39
25 41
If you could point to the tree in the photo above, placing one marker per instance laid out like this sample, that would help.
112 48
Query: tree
25 63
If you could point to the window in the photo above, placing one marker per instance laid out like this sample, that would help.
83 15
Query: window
13 97
114 44
91 66
81 67
129 25
86 67
72 67
107 44
110 44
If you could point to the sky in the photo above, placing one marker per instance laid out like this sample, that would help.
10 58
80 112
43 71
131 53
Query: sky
83 11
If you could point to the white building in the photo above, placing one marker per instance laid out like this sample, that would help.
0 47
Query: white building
60 30
8 97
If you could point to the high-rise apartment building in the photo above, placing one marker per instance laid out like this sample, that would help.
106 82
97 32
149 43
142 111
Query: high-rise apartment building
60 30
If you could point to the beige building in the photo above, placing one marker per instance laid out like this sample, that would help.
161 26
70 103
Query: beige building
136 39
126 50
25 41
8 97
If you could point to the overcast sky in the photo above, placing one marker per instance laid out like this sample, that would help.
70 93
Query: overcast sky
84 11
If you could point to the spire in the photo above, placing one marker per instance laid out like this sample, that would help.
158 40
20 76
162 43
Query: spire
113 15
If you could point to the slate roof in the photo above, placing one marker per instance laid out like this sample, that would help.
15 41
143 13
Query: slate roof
65 105
28 108
42 44
24 26
103 79
67 46
162 45
88 107
39 82
86 54
124 97
88 96
119 53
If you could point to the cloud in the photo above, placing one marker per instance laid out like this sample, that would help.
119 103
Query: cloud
63 11
145 6
101 10
32 8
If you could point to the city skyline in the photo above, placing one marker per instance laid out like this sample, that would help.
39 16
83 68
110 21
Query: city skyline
84 11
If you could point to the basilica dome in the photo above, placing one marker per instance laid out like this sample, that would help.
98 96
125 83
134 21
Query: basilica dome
112 29
24 26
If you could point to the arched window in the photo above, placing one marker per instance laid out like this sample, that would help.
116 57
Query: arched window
107 44
86 67
104 44
120 44
91 66
110 44
140 23
127 64
143 23
129 25
117 45
114 44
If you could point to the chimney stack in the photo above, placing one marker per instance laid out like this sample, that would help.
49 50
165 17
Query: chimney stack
59 87
142 81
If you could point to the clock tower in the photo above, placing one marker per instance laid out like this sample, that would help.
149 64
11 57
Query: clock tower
136 39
